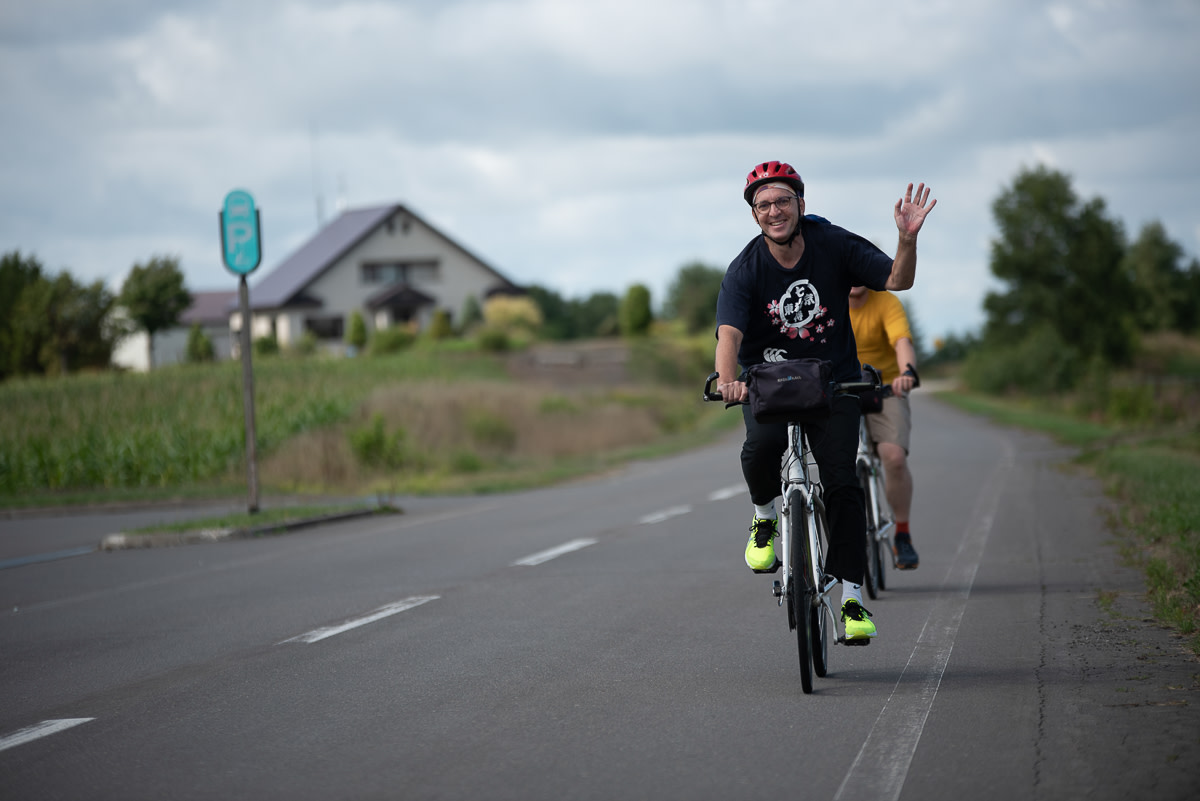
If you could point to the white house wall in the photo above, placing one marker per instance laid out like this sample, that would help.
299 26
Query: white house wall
170 347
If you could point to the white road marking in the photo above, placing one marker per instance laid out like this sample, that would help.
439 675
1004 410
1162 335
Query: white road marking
551 553
665 514
882 763
43 729
317 635
727 492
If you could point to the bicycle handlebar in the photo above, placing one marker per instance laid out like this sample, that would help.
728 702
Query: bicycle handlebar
843 388
839 388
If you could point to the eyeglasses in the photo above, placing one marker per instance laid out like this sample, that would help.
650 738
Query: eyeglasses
764 207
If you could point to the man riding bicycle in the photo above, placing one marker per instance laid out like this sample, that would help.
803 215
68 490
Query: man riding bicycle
786 296
885 342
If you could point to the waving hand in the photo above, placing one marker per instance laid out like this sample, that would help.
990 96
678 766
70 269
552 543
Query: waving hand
911 211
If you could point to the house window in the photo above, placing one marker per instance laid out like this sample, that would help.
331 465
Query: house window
423 271
325 327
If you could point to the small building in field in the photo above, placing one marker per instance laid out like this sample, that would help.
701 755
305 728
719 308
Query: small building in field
209 310
384 262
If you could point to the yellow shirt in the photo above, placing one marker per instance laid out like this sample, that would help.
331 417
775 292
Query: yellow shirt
878 325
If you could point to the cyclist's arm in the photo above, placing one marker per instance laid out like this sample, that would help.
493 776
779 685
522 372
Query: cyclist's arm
910 215
729 341
904 266
906 354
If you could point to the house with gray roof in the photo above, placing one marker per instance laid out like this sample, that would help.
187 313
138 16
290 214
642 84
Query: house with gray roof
384 262
209 310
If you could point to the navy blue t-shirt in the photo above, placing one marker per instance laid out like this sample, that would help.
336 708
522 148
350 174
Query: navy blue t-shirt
805 311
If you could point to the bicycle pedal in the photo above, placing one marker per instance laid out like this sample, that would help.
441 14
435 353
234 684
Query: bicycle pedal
857 641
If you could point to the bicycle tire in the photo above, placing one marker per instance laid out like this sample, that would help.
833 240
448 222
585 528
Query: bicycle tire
872 543
880 567
819 625
801 590
877 544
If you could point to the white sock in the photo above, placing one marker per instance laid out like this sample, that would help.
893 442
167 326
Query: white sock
851 591
766 512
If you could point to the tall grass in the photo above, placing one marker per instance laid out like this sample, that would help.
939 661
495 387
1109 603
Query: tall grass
473 436
185 424
433 418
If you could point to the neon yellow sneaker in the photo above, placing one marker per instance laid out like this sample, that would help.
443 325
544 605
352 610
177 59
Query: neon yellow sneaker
760 548
858 627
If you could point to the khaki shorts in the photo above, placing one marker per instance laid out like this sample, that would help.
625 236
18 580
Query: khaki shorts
893 424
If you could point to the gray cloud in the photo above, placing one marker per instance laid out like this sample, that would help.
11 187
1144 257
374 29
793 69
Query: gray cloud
581 145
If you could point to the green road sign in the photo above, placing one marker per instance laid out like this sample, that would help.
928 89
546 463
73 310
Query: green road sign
240 243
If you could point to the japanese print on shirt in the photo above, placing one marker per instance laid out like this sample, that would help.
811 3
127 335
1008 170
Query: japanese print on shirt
799 315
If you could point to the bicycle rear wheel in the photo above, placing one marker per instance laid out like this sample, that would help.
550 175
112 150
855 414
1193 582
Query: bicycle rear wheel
872 578
819 625
883 516
801 589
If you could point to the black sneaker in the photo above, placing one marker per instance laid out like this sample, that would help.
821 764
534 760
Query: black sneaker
906 555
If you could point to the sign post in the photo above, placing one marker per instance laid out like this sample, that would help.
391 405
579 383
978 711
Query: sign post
241 250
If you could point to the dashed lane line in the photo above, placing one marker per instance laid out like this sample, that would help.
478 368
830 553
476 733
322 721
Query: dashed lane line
43 729
665 514
552 553
727 492
316 635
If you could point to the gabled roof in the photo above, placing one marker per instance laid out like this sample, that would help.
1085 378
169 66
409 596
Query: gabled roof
284 286
208 307
300 269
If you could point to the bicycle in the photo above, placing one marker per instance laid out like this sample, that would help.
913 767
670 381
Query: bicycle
803 537
880 523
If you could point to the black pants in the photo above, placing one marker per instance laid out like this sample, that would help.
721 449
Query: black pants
835 446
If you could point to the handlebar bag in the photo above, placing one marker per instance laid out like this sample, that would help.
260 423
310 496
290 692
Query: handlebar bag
792 391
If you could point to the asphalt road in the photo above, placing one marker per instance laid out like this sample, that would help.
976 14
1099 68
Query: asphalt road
597 641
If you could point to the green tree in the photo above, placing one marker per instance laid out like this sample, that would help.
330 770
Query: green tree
692 296
635 315
1061 265
1187 312
597 315
471 315
199 346
1153 263
558 320
356 332
154 296
16 273
440 327
61 325
1167 296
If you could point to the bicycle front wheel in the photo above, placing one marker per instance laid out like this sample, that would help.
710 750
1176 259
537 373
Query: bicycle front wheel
801 589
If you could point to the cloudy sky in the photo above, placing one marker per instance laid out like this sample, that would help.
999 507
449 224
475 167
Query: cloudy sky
583 145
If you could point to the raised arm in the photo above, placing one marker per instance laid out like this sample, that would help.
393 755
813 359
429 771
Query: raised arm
910 216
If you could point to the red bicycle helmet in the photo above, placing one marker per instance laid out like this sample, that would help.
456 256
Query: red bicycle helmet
770 171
